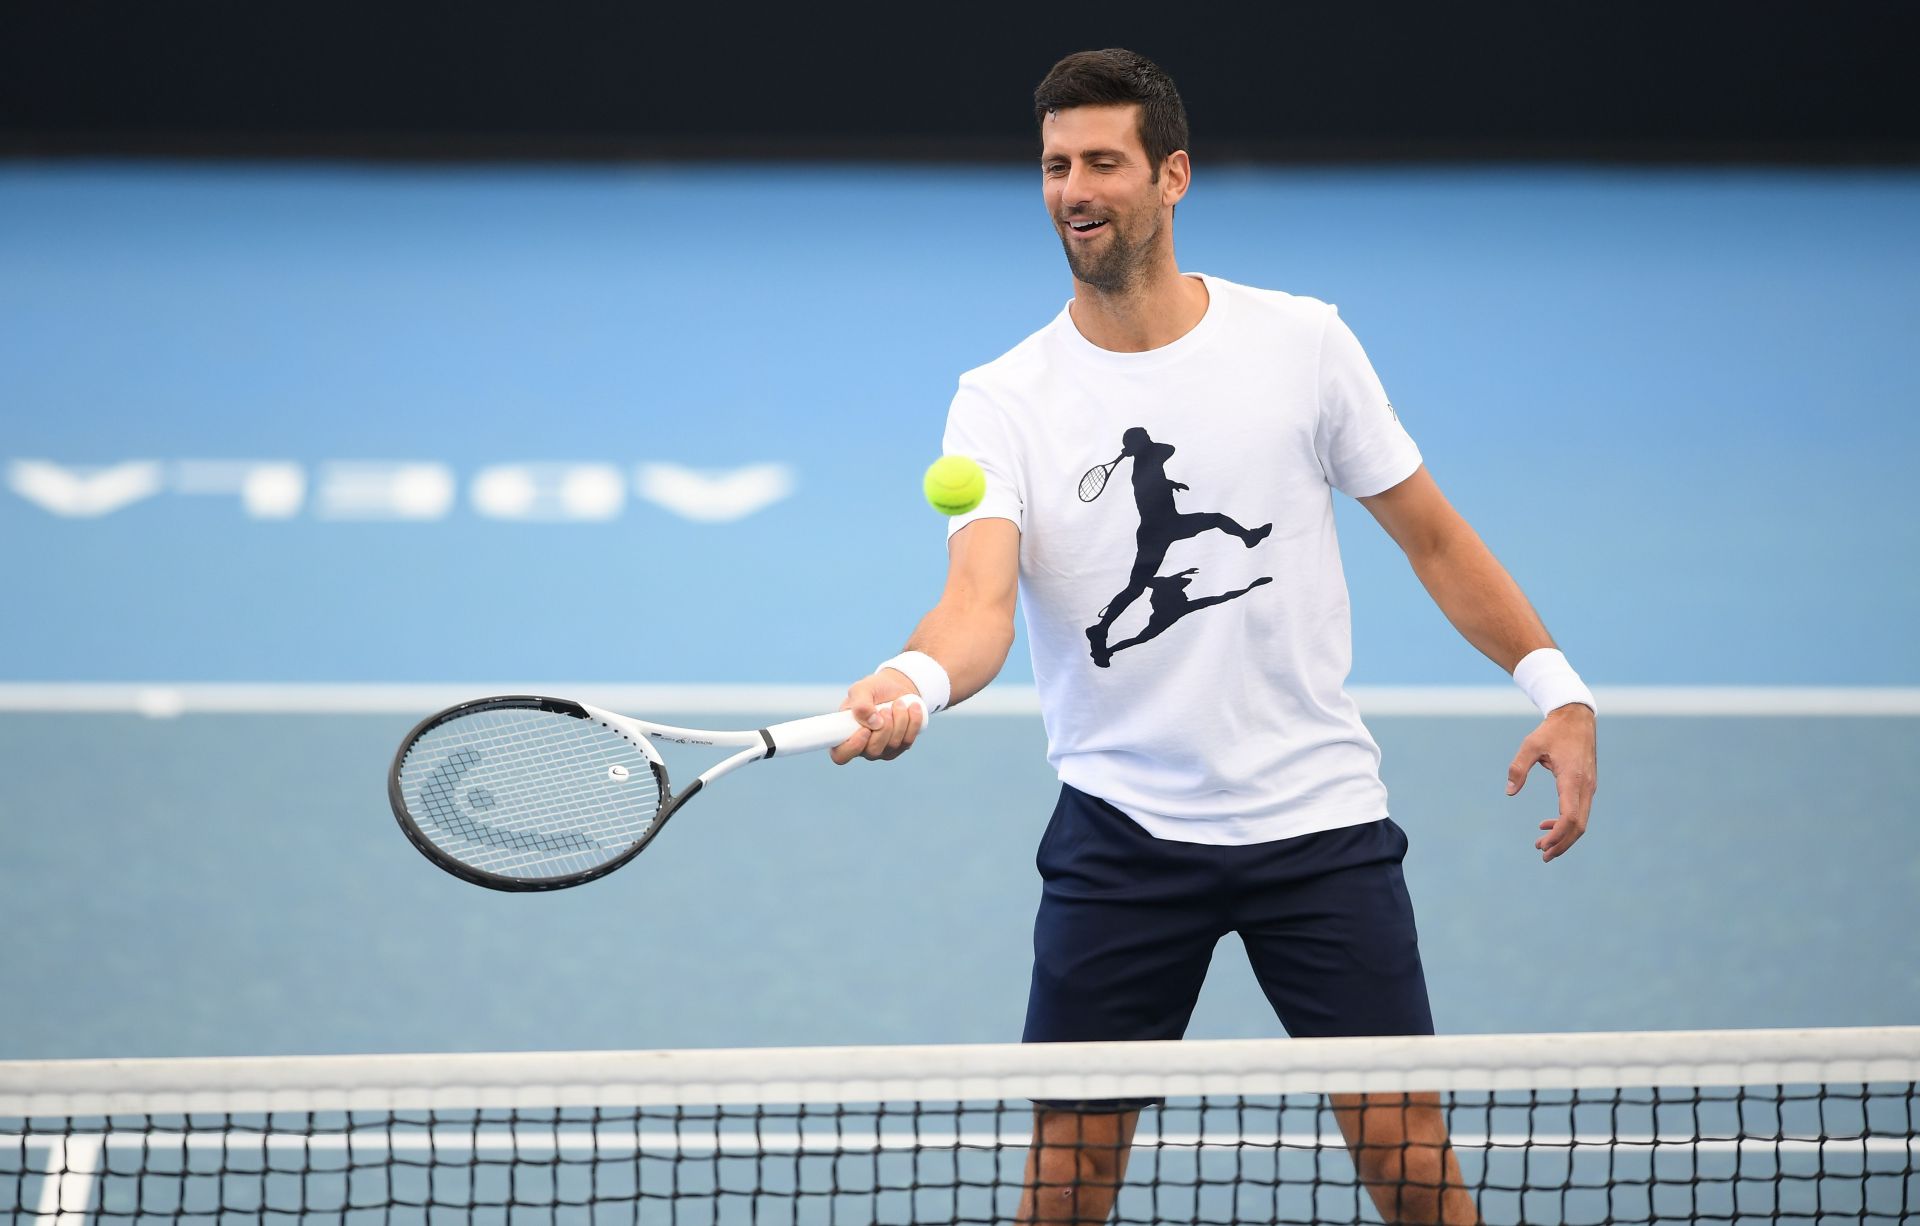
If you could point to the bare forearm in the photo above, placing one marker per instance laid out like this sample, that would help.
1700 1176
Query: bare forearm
966 636
1479 597
970 629
969 640
1488 609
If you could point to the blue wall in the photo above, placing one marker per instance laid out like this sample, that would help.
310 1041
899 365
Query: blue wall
1680 405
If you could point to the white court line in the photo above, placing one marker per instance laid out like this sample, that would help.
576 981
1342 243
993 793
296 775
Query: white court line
167 699
66 1191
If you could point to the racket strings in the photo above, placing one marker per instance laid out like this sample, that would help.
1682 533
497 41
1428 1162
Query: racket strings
439 793
530 793
1096 480
556 782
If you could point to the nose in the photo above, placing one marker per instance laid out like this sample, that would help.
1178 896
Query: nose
1074 188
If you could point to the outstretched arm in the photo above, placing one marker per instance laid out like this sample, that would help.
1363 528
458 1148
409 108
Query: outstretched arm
968 632
1488 609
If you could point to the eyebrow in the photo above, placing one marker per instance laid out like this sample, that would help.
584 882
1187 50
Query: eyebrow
1053 155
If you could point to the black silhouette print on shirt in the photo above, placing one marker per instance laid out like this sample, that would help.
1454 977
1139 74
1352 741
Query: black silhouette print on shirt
1162 525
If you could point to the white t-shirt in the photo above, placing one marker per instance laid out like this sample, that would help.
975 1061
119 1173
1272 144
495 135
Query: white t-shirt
1220 715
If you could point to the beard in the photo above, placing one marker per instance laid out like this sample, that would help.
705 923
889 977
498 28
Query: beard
1117 266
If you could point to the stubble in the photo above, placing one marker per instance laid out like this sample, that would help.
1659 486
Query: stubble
1121 264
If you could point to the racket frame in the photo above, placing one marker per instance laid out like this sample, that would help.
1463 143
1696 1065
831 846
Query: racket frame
791 737
1106 474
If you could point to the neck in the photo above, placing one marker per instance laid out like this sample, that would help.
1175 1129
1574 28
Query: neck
1156 310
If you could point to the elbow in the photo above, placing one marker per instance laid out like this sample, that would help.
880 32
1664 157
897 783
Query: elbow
981 629
991 626
1440 542
1003 644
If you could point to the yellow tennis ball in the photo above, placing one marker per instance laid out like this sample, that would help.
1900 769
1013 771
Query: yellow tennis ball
954 485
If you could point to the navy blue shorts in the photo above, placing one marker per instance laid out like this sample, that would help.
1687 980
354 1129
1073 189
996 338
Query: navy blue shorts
1128 922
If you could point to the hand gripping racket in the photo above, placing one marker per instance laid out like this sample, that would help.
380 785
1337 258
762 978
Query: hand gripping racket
523 793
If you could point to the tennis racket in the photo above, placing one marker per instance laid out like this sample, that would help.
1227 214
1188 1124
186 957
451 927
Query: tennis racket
1096 478
526 793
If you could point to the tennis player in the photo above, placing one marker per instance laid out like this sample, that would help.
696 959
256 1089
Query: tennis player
1189 627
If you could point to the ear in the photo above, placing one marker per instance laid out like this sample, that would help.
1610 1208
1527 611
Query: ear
1176 175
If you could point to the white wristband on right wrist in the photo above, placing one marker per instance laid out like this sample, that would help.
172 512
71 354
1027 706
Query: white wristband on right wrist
1546 678
935 687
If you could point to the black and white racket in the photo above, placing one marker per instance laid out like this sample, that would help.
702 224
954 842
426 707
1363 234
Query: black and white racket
525 793
1096 478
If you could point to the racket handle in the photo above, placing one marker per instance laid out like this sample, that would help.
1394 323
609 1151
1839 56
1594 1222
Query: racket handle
818 731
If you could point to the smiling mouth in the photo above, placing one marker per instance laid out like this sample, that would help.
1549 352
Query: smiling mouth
1085 227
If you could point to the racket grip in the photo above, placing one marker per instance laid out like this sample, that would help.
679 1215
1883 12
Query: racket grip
818 731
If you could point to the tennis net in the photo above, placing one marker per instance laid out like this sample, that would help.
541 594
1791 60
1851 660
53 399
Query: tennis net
1728 1126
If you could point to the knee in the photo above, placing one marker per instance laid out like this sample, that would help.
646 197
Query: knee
1379 1164
1416 1167
1091 1164
1076 1183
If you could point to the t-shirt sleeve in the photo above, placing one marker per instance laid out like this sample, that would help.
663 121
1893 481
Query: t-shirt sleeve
977 428
1362 446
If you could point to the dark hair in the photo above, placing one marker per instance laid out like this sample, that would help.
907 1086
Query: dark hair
1116 77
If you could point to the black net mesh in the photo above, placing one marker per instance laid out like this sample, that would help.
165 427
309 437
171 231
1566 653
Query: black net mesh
1752 1153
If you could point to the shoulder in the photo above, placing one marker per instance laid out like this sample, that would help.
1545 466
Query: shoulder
1016 369
1273 309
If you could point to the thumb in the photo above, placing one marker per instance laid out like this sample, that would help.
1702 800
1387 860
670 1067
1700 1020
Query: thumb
861 705
1521 764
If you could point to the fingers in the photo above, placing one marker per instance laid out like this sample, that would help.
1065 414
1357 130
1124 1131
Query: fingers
889 725
849 749
913 716
901 724
1562 833
861 705
1575 793
1565 832
1566 750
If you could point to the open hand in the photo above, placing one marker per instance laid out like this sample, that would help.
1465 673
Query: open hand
1564 744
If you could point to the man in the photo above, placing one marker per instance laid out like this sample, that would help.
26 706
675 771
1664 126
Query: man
1215 775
